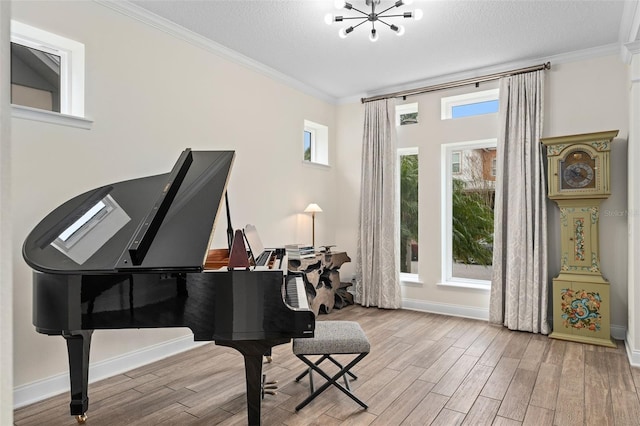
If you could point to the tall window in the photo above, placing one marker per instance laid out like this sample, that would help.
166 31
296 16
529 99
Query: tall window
468 202
408 158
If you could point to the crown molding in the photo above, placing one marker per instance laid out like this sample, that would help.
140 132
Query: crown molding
143 15
633 48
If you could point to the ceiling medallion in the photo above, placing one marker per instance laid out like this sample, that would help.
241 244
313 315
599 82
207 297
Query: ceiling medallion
372 17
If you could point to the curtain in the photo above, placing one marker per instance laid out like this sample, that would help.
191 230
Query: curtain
377 261
519 288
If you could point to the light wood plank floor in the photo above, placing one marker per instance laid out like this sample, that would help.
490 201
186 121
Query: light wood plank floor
423 369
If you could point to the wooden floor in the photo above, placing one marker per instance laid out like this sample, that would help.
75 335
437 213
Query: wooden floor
423 369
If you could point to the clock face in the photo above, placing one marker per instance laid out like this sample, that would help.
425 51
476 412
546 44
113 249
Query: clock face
578 171
578 175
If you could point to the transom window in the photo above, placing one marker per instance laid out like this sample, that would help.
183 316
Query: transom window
469 104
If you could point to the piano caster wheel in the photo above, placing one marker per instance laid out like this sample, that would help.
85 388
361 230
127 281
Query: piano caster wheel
268 388
81 419
269 358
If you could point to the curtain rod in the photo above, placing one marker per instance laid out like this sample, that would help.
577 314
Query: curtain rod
458 83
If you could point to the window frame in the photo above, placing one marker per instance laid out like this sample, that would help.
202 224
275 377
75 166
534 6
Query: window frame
446 249
447 103
72 76
406 277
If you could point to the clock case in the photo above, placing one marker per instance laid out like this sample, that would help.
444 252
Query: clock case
580 294
594 148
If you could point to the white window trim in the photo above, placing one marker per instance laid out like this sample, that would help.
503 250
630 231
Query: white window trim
319 143
447 210
71 72
405 277
447 103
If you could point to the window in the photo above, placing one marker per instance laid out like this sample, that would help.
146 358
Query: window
408 182
315 143
468 202
456 162
406 114
47 76
35 77
469 104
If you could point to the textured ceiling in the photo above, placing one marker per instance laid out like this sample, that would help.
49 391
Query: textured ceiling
454 37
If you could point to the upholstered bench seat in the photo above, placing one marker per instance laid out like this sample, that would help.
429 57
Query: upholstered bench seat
332 338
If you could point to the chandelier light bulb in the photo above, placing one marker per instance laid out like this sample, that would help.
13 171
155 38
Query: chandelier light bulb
417 14
400 30
339 4
344 32
407 2
328 18
373 36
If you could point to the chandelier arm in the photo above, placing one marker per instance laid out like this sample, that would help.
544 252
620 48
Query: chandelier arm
344 18
389 8
356 26
358 10
401 15
380 20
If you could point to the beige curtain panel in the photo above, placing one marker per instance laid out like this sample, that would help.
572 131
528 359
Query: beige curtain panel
519 288
378 264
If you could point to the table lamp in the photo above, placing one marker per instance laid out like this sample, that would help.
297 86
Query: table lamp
313 209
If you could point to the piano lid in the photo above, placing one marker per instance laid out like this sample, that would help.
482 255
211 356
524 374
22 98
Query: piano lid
155 223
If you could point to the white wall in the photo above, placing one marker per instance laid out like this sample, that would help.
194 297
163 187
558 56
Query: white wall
150 96
633 334
581 97
6 247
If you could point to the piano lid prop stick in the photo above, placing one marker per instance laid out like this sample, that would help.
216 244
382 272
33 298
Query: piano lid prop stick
151 224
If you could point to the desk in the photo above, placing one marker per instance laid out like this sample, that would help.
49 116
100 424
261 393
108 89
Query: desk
324 289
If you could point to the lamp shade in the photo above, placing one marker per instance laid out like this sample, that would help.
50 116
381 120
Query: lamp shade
312 208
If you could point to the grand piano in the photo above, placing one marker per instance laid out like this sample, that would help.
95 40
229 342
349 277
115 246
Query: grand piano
132 255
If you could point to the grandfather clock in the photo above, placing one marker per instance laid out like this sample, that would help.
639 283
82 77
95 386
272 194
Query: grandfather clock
578 180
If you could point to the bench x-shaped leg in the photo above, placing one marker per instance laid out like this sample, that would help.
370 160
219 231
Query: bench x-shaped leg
331 380
322 358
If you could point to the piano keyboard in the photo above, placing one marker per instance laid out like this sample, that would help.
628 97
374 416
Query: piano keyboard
296 293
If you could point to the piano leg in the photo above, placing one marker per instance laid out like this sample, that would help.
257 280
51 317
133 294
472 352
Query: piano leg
78 346
253 351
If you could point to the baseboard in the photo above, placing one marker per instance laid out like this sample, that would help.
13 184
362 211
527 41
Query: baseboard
39 390
618 332
446 309
633 355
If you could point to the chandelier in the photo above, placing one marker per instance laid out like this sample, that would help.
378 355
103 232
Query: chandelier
372 17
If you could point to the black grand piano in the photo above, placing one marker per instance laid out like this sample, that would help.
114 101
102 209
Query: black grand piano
132 255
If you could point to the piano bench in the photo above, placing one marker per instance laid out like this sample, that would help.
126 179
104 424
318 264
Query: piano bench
332 338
